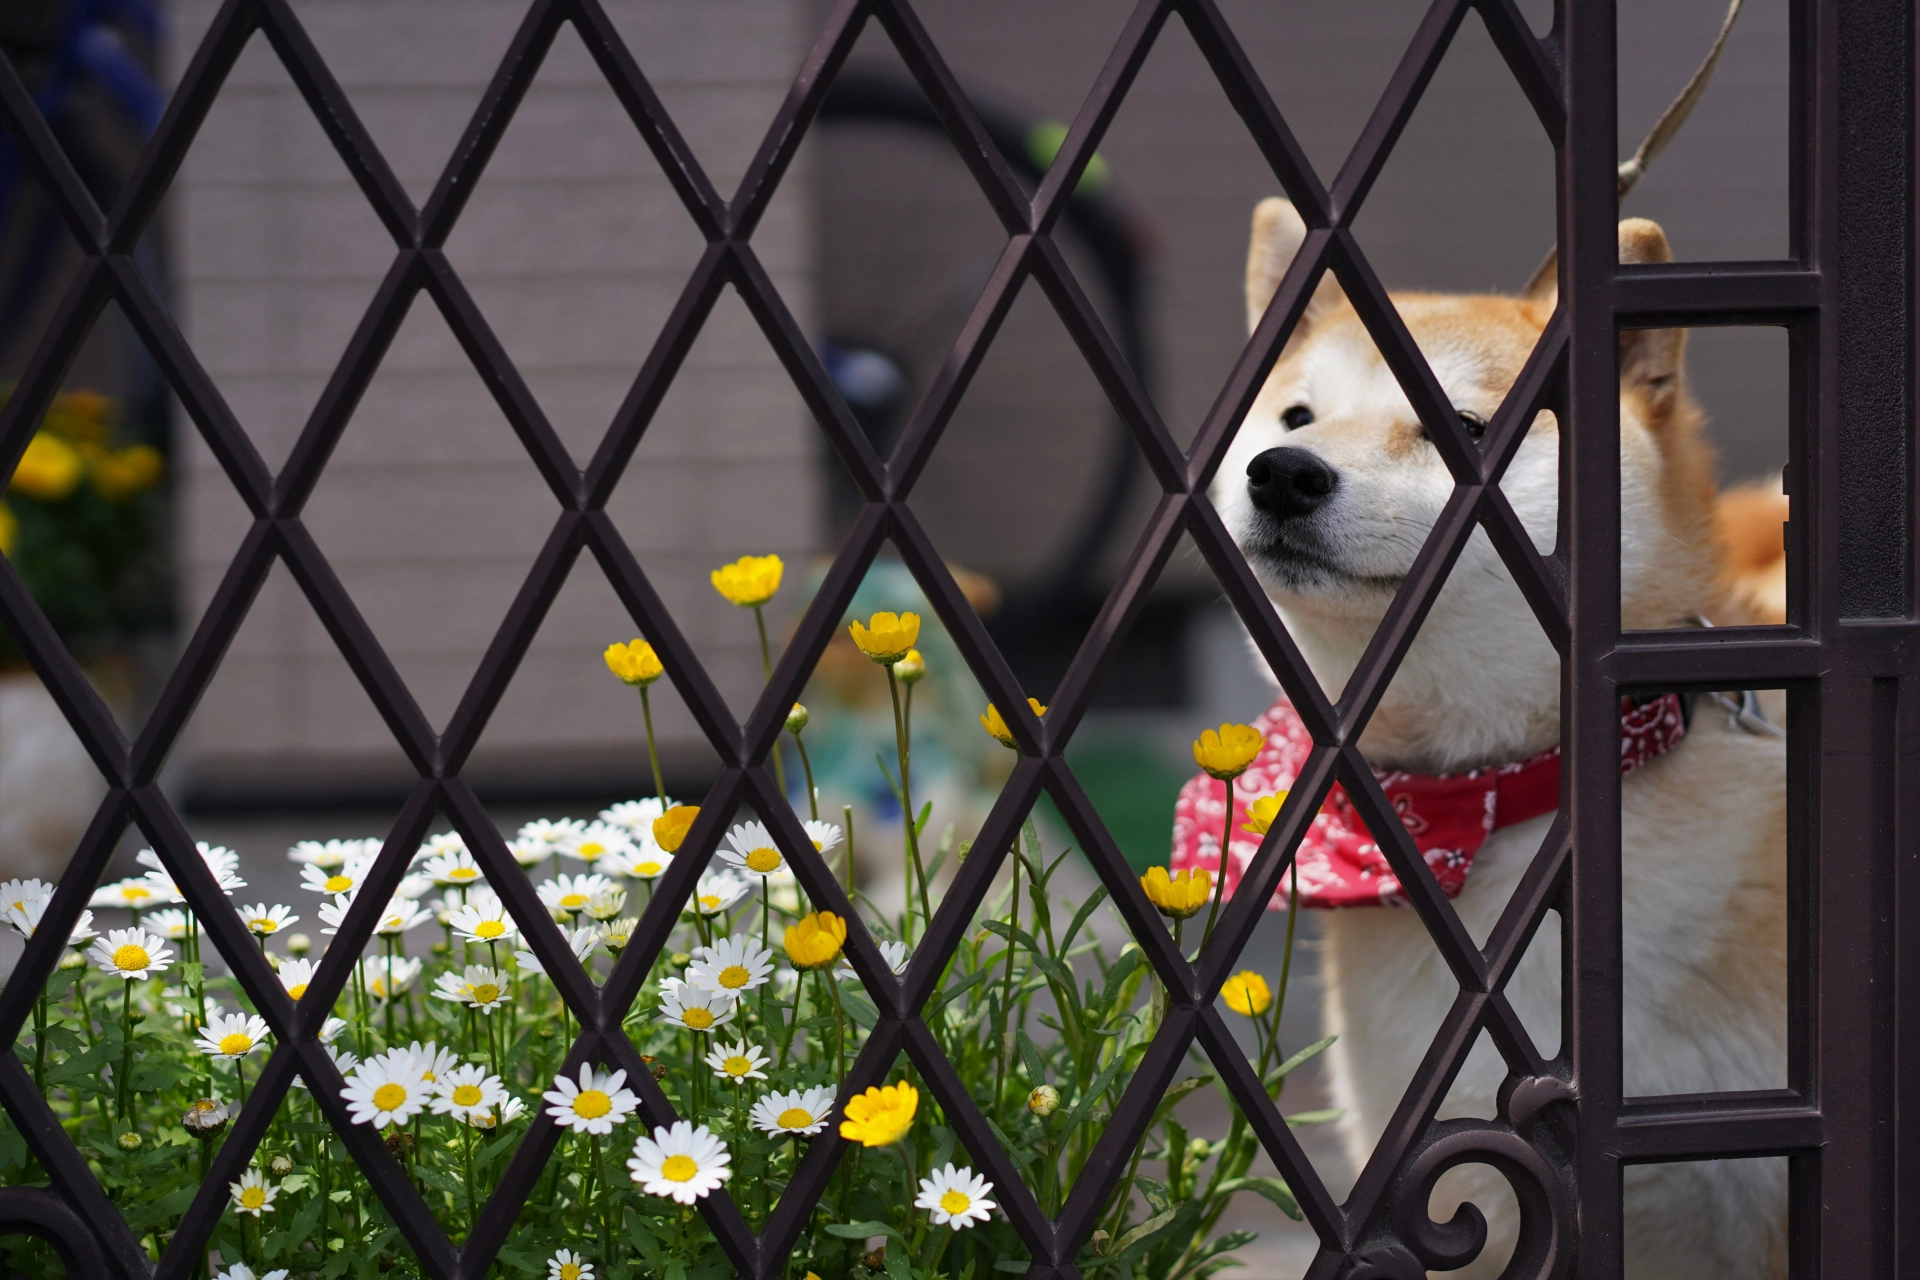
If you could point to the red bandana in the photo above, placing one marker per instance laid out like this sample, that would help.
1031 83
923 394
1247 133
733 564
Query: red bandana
1449 816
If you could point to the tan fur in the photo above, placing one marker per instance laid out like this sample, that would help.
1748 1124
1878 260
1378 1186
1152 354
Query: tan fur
1703 859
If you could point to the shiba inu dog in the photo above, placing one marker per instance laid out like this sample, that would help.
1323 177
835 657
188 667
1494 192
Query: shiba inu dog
1330 488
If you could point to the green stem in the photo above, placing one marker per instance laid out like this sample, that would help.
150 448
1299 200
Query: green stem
766 666
846 818
126 1047
40 1043
1286 971
653 754
466 1142
606 1199
916 873
806 766
1002 1050
1220 880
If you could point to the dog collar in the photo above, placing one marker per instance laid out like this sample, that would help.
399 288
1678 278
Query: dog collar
1448 815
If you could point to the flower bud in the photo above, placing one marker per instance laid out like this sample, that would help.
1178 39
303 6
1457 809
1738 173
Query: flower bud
280 1166
1198 1149
205 1119
74 960
129 1141
797 719
299 944
911 669
680 959
1043 1101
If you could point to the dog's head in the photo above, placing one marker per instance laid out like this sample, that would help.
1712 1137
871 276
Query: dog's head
1331 486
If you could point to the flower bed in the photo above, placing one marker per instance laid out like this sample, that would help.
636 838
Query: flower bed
453 1042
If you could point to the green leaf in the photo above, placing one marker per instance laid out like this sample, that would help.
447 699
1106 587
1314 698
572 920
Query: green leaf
1324 1116
897 1265
1117 976
863 1231
1312 1050
1145 1231
1092 1094
1159 1199
1030 1058
1271 1188
859 1008
1008 1264
950 994
1098 896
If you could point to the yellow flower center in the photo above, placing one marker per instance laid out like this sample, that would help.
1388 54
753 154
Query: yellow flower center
339 884
795 1118
261 924
737 1066
648 868
570 1271
710 900
955 1202
819 847
134 893
237 1043
590 849
592 1104
678 1168
389 1096
734 976
131 958
574 901
765 860
466 1095
464 873
489 929
253 1197
697 1018
297 990
483 993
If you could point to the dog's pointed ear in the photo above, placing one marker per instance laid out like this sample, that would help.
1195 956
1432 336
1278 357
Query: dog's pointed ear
1649 358
1278 232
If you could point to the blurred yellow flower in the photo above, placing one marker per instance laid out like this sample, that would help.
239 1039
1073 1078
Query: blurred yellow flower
1246 994
750 580
814 942
887 637
911 669
880 1117
634 662
670 828
126 473
1262 812
1180 895
9 529
49 469
1227 753
997 728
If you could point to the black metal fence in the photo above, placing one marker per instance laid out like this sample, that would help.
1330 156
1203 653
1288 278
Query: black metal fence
1847 655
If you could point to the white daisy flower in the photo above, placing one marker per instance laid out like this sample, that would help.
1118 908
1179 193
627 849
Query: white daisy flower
719 891
635 817
648 863
581 941
692 1008
26 920
569 894
440 845
510 1110
455 867
616 866
344 879
825 835
253 1193
483 921
733 965
595 1105
329 854
344 1060
401 915
135 894
607 903
130 953
295 975
223 862
683 1162
594 842
548 833
263 921
388 976
16 894
616 934
430 1060
333 914
738 1062
386 1089
241 1271
800 1111
232 1036
749 848
414 886
567 1265
171 924
465 1092
478 988
894 953
528 853
330 1029
955 1197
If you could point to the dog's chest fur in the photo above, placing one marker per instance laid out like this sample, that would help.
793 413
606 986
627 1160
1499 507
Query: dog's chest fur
1703 944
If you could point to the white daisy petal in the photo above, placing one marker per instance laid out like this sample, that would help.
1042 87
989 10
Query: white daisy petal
683 1163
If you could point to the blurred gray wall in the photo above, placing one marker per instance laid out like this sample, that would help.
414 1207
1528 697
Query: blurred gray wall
575 248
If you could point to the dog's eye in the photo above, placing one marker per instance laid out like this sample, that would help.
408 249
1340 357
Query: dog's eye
1297 417
1475 424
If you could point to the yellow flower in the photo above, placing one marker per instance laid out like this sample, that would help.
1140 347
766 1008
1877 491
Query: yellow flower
1178 896
814 942
49 469
750 580
670 828
126 472
997 728
1262 812
635 662
9 529
1246 994
911 669
887 637
880 1117
1227 754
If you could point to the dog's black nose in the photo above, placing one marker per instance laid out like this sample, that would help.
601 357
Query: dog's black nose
1288 482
